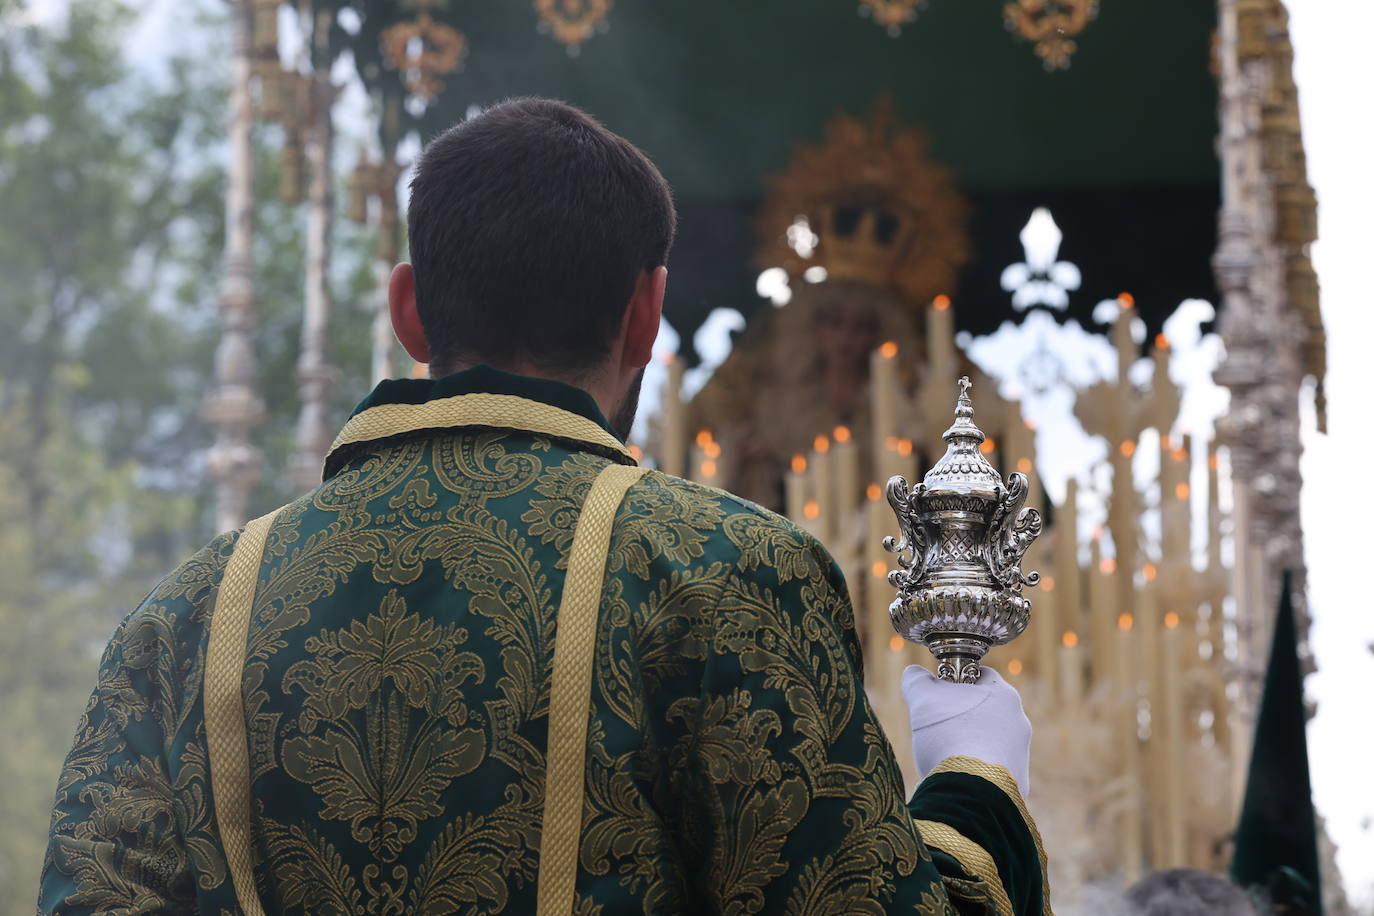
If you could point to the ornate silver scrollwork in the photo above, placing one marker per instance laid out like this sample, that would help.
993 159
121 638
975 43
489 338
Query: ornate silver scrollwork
913 545
1010 534
963 536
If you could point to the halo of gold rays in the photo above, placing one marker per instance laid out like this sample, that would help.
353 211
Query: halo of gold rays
1052 25
882 213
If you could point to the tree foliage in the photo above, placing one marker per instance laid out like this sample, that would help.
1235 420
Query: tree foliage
111 238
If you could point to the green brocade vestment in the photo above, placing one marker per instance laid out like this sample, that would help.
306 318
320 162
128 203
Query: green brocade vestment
395 684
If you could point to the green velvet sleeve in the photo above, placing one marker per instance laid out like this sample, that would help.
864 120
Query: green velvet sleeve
975 823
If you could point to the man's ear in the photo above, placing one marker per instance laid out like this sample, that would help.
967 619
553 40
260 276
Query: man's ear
405 314
644 315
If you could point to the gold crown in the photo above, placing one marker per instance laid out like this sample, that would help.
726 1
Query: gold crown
877 211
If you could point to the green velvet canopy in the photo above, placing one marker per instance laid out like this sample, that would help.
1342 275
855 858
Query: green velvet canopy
1120 145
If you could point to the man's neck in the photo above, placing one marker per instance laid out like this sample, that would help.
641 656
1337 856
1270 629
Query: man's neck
592 382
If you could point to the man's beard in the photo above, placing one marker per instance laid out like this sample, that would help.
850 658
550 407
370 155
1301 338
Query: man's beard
624 419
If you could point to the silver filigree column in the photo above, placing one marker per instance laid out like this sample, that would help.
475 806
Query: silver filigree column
233 406
1263 334
314 373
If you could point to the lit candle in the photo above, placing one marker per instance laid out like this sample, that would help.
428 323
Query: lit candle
674 420
1173 743
1131 829
796 489
822 489
940 350
706 459
1067 573
883 385
846 461
1102 611
877 628
1071 674
1046 625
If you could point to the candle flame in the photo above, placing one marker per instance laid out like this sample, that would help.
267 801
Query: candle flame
904 447
704 436
987 445
888 349
798 464
879 569
1179 454
1182 490
1047 583
1171 620
874 492
895 644
940 303
419 370
811 509
1126 299
1128 448
712 449
842 434
708 468
822 444
1161 342
1212 461
1108 565
1014 666
1070 639
1150 572
1023 465
636 452
1125 621
891 443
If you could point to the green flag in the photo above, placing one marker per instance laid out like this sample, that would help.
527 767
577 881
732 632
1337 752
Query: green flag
1276 840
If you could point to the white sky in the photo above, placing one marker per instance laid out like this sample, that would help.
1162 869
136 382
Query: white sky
1334 69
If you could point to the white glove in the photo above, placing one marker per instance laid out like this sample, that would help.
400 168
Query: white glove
983 720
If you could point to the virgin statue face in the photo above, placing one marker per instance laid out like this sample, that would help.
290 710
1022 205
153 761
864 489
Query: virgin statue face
847 332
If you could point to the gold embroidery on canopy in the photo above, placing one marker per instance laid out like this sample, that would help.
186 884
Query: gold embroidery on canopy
226 732
496 411
972 858
1001 777
570 697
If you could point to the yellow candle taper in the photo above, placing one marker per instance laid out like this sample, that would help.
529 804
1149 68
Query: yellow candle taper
1070 672
822 490
1102 610
796 490
1176 836
1132 830
671 461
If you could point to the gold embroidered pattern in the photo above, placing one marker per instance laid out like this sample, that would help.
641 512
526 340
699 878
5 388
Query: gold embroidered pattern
1001 777
395 690
495 411
971 857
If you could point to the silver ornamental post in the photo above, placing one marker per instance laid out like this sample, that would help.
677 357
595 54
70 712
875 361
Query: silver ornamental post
963 534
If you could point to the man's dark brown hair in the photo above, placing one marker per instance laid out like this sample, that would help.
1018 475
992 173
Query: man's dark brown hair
529 225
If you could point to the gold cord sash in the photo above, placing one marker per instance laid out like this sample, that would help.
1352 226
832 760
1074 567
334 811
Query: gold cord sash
226 731
570 698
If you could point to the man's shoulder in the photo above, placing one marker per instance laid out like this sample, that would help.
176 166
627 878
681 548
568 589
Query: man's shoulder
759 542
